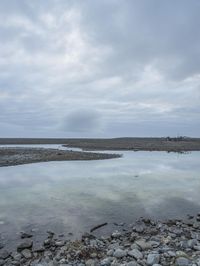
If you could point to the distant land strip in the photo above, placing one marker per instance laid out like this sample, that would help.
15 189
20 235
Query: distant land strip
178 144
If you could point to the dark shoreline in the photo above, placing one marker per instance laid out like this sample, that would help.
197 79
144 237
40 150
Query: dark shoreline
135 144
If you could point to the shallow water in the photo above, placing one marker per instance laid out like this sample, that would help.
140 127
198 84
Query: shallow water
74 196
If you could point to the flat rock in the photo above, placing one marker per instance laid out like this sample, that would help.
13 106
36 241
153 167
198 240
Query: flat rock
153 258
4 254
26 253
27 243
119 253
182 261
143 244
135 253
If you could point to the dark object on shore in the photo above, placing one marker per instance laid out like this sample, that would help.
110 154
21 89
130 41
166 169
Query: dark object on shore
97 227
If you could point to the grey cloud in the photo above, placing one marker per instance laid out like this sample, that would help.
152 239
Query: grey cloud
99 68
144 32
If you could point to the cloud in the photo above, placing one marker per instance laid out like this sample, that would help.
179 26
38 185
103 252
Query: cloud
106 67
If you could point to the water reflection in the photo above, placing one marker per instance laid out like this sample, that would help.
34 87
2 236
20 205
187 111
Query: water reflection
74 196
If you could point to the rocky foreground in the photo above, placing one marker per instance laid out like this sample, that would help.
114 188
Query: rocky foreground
146 242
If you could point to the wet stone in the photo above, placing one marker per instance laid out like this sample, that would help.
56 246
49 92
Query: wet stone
119 253
26 253
4 254
182 261
153 259
135 253
27 243
25 235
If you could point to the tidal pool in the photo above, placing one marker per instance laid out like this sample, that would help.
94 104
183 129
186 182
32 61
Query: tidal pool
74 196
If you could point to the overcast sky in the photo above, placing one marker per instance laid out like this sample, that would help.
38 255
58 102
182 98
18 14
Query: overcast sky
102 68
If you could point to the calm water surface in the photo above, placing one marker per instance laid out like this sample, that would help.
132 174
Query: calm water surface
73 196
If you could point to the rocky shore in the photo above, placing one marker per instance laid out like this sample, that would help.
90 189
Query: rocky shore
16 156
146 242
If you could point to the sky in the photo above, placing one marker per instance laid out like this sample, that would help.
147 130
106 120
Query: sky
114 68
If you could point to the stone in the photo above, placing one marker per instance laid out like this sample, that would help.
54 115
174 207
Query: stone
182 261
26 253
139 227
116 234
27 243
143 244
90 262
110 252
192 242
132 263
4 254
38 247
153 258
106 261
17 256
119 253
26 235
59 243
135 253
2 262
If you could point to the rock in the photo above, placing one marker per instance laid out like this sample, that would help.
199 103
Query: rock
192 242
2 262
153 258
4 254
143 244
139 227
26 253
132 263
38 247
135 253
110 252
59 243
1 246
119 253
17 256
26 235
106 261
90 262
116 234
27 243
182 261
